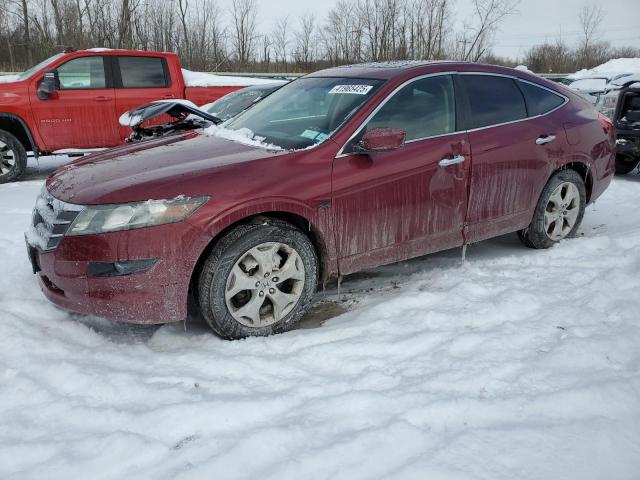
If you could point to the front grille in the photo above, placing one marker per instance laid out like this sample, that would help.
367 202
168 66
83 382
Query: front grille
50 221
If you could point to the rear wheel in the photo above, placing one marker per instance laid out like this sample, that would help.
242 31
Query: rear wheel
258 280
559 211
626 164
13 157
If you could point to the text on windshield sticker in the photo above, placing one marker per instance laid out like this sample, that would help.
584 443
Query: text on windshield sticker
353 89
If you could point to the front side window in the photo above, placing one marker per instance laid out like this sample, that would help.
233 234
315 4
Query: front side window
493 100
142 72
539 100
305 112
424 108
84 73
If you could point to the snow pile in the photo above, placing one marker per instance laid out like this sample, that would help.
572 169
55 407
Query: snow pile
520 364
201 79
242 135
8 78
524 68
610 69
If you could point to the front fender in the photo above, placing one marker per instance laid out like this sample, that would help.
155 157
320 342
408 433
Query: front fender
318 218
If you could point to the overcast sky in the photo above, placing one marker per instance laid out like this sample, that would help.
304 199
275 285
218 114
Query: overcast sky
535 21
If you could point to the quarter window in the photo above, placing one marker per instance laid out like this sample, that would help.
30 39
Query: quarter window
82 73
493 100
424 108
539 100
142 72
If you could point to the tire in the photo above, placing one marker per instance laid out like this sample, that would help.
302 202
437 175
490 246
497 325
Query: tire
254 256
563 199
13 157
626 164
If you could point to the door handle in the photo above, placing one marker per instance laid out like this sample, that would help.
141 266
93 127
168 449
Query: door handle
545 139
102 99
445 162
168 97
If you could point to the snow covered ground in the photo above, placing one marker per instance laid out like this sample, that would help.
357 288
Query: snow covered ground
518 364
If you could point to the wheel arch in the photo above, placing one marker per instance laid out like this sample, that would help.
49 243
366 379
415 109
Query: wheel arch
582 169
299 221
18 128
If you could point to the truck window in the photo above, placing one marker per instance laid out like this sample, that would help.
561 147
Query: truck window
82 74
143 72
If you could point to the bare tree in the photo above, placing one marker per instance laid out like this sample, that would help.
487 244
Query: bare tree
591 16
280 37
244 15
477 37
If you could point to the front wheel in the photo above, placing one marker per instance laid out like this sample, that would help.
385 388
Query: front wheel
13 157
258 280
626 164
559 211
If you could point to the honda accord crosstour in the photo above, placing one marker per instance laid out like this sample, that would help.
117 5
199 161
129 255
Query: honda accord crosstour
338 171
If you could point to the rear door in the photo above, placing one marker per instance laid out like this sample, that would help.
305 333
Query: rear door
139 80
82 113
510 155
394 205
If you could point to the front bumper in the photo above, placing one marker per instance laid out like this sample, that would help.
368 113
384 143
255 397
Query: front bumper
158 295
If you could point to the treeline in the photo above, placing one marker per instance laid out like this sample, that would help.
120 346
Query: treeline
211 38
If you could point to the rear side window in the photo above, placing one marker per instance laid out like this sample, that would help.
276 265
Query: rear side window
84 73
424 108
142 72
493 100
539 100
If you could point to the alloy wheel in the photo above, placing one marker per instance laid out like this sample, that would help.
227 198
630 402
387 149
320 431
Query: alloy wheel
7 158
562 211
265 284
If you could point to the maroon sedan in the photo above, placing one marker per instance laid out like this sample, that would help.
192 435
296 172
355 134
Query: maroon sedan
339 171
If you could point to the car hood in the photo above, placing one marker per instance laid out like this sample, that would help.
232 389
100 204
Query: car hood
156 169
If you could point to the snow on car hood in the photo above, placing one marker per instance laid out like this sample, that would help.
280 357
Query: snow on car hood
155 169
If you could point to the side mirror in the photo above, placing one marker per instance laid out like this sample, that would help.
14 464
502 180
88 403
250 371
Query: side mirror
49 84
382 139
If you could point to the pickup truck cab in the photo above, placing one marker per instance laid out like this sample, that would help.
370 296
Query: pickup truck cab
72 101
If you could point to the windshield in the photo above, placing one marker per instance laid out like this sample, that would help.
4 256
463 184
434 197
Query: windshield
233 103
305 112
40 66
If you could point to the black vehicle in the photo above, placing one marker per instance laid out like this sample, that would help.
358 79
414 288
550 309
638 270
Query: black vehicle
188 116
627 122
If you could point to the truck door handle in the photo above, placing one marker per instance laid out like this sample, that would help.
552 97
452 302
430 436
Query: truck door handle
168 97
102 99
445 162
545 139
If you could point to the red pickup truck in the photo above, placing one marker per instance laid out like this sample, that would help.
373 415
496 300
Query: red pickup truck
73 100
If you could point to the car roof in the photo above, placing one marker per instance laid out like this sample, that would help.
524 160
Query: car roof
380 70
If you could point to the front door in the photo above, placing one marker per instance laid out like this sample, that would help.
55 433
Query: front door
82 113
393 205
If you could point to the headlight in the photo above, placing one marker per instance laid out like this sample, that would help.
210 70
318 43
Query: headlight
607 104
126 216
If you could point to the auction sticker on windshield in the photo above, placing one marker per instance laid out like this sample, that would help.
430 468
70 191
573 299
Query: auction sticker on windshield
353 89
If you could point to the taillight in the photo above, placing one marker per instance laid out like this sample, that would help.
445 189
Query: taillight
607 125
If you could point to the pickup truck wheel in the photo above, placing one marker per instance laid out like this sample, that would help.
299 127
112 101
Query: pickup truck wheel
559 211
626 164
258 280
13 157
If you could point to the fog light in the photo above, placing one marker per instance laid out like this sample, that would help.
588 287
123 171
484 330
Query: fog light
120 268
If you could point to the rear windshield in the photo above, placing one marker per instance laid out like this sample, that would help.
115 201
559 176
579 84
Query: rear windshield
305 112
